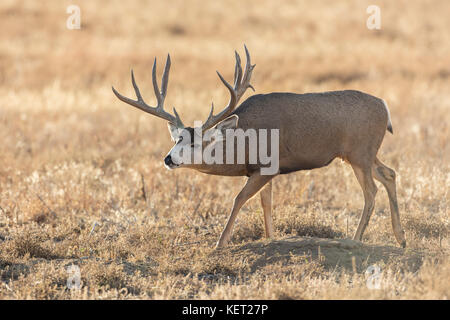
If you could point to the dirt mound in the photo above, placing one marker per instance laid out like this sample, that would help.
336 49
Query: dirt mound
331 253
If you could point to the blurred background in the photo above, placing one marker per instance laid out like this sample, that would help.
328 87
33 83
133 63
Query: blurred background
298 46
71 154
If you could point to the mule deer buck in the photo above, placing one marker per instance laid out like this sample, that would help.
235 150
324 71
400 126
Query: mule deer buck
314 129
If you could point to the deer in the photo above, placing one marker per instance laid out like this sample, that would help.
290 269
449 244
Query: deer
314 129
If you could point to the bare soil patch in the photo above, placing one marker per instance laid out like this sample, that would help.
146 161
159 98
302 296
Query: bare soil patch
331 253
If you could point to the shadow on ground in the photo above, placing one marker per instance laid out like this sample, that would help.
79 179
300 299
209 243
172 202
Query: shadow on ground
331 253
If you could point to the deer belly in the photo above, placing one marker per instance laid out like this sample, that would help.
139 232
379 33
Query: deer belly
305 165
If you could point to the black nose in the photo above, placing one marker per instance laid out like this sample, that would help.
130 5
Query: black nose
168 160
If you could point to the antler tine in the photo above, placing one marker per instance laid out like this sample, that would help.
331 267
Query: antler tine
230 88
178 121
241 83
165 77
248 72
212 110
139 103
212 120
237 71
160 96
159 99
128 100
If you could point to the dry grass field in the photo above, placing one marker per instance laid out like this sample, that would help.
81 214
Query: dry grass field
82 179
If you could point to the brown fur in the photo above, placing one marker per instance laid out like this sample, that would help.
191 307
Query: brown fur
315 128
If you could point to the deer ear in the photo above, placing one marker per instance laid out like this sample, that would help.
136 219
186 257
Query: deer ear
174 131
229 123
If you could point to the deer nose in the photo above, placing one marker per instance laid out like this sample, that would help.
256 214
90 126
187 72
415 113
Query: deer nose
168 160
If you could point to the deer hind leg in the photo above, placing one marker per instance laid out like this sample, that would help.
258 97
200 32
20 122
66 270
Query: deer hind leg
364 176
386 176
266 203
254 183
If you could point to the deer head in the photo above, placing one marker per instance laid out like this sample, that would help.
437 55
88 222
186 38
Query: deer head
189 138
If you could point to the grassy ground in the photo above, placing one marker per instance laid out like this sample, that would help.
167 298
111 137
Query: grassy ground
82 180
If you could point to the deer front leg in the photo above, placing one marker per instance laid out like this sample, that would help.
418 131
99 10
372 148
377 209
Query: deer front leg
254 183
266 202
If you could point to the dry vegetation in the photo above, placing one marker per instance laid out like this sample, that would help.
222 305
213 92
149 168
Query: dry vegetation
81 174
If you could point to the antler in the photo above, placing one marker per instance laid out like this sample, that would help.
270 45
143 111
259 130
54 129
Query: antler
160 96
241 83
